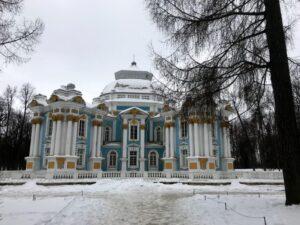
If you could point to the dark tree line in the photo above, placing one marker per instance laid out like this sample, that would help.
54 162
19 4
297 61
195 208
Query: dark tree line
223 45
15 127
18 37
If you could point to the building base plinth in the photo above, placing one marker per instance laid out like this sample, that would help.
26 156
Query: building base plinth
197 163
227 164
61 162
96 164
169 164
211 163
32 163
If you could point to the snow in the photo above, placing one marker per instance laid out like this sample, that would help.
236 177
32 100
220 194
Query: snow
129 85
138 201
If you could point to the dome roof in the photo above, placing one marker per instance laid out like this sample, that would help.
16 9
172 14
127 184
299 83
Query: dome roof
132 80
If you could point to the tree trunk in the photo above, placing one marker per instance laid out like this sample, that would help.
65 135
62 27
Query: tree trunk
284 104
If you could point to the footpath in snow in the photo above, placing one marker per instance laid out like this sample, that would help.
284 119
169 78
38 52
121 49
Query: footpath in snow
137 201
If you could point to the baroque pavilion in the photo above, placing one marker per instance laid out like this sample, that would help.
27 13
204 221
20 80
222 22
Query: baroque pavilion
129 127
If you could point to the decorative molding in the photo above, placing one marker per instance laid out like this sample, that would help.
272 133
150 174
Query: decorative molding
96 123
169 124
142 126
37 120
125 126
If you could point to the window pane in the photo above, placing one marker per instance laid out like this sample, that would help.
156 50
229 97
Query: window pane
50 127
81 128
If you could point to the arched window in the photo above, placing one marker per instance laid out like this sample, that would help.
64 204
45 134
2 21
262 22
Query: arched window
153 160
158 135
112 160
107 134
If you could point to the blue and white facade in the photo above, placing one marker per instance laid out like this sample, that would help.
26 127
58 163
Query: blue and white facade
129 127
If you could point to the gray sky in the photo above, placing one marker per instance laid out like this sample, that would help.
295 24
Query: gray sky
85 42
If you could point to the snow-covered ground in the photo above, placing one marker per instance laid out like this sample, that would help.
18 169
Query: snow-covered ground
136 201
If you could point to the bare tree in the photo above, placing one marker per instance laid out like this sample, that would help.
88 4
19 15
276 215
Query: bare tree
9 98
234 43
17 39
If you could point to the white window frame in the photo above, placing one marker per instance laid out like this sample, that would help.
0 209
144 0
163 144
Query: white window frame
146 97
152 168
138 129
108 160
83 148
181 129
182 166
109 134
85 128
133 149
48 127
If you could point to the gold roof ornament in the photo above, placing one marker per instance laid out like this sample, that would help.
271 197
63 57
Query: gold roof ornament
34 103
54 98
134 111
102 107
79 100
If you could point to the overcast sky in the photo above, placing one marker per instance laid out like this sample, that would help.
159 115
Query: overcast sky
86 42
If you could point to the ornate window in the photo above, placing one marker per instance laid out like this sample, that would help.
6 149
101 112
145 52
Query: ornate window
133 157
50 127
153 160
81 157
183 158
112 160
147 97
158 135
183 126
81 130
133 135
107 134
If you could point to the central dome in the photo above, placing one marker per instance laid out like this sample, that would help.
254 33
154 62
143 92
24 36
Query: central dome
132 80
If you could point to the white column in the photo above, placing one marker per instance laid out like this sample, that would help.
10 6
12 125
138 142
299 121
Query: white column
201 139
58 137
142 162
196 139
191 140
36 140
99 141
172 147
167 142
124 148
53 133
210 140
74 139
224 139
69 137
94 142
206 146
151 130
32 140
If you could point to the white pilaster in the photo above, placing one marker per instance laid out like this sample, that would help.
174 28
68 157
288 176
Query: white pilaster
142 161
172 142
191 140
167 142
36 140
206 144
69 138
58 138
74 138
196 139
201 139
99 141
224 142
94 142
124 146
53 133
210 140
32 141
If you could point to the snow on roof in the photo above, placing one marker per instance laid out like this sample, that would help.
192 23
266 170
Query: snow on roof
40 99
132 100
135 108
67 92
130 86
